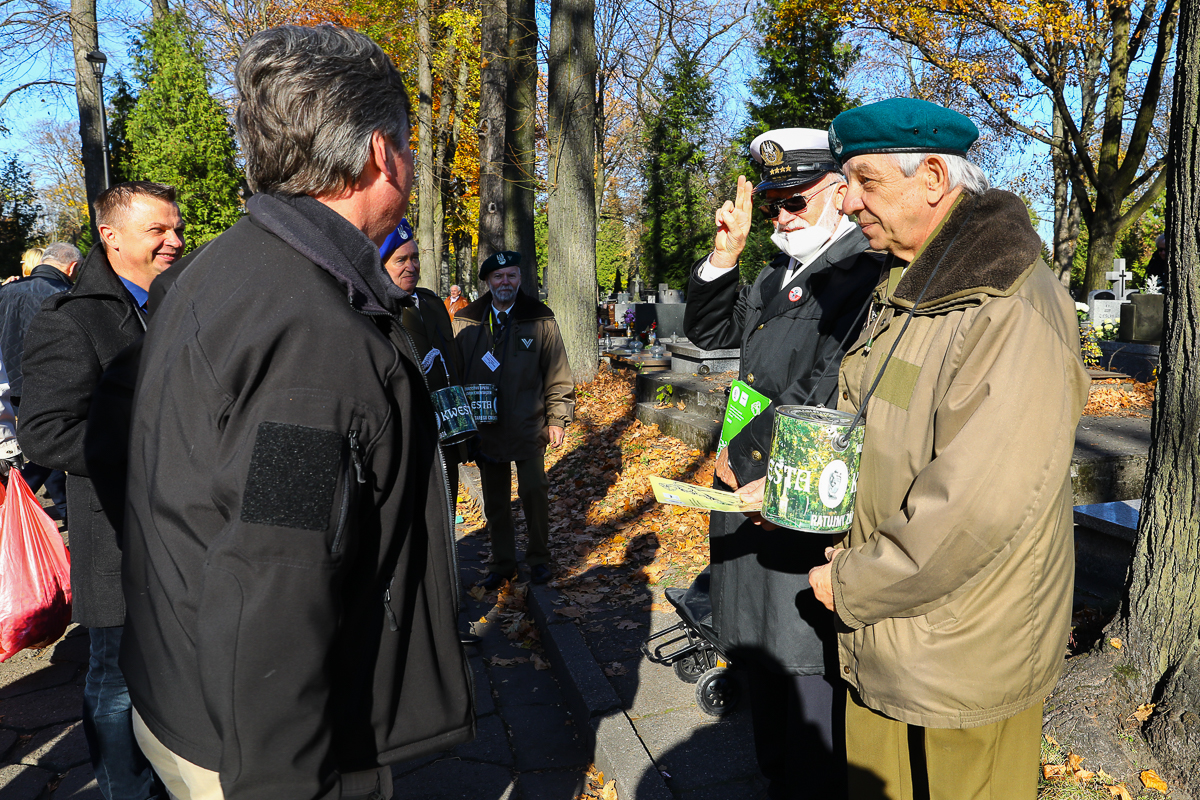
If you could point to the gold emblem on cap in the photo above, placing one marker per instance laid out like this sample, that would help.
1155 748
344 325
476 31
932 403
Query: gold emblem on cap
771 153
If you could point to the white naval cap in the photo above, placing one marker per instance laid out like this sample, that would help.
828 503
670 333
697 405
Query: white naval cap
789 157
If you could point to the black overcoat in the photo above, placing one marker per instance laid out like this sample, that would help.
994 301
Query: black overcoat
70 343
792 340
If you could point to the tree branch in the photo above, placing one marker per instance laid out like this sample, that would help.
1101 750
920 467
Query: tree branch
13 91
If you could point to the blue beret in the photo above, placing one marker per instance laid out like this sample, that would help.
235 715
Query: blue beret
505 258
396 239
900 125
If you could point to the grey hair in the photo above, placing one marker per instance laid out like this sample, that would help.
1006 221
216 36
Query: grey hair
61 254
961 172
309 100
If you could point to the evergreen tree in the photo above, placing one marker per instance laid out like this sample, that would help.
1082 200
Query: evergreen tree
177 133
120 104
802 63
18 215
677 211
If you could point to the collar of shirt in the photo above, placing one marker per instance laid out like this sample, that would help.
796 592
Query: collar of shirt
796 267
140 295
497 312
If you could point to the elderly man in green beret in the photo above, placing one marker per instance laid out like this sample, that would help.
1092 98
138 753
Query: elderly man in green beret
954 583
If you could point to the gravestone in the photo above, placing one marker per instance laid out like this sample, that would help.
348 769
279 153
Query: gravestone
1120 277
1103 306
689 359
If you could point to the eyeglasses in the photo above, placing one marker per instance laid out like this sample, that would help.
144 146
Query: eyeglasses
796 204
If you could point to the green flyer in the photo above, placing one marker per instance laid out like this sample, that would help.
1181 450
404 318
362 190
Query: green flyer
744 404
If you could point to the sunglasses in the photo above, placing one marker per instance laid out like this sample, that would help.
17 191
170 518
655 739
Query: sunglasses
796 204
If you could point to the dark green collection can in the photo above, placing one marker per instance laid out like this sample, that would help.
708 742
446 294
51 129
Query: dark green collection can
812 472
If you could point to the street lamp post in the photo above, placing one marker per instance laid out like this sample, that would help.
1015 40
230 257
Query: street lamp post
98 61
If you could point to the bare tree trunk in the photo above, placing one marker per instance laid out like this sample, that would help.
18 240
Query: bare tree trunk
493 80
520 179
1160 619
1066 205
571 264
84 39
463 263
159 9
427 190
442 172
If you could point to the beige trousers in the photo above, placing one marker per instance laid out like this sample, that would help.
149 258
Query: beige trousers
187 781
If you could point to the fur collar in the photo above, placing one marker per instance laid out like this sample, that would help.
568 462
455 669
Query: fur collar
986 245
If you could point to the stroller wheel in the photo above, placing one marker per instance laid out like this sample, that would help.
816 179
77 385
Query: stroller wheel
716 692
690 668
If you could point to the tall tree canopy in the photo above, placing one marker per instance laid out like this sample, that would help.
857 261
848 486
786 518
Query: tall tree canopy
803 61
177 133
677 208
1088 80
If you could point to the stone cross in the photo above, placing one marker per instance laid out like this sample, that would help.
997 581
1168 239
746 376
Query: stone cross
1119 276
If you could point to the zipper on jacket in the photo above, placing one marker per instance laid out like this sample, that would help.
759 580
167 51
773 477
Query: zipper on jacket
393 623
449 506
347 490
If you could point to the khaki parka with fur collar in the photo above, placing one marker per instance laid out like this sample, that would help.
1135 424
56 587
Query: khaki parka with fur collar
957 582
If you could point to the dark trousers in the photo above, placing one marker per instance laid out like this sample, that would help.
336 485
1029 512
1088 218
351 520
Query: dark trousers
122 772
55 481
532 487
799 734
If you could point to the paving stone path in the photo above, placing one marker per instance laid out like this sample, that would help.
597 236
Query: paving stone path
527 747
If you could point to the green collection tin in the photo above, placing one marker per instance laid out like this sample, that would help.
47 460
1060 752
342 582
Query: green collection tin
812 471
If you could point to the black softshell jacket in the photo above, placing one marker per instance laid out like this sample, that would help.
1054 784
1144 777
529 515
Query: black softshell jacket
289 565
792 340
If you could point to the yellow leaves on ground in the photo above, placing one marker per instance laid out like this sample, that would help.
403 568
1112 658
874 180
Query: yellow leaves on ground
1143 712
1151 780
1119 398
1078 773
605 527
1060 765
597 789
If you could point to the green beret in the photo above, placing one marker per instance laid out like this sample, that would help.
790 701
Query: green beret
505 258
900 125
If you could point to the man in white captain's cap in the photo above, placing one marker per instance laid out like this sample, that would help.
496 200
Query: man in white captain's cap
793 326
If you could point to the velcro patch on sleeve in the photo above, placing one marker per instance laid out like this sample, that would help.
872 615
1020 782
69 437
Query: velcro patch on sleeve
293 475
898 382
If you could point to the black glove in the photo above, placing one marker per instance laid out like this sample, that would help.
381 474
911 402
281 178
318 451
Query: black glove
10 456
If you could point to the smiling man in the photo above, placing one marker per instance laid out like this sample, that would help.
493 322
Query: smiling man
70 343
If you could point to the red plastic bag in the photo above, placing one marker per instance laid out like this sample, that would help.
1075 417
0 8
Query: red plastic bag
35 573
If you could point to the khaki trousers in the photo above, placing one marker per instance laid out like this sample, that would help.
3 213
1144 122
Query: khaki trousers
892 760
532 488
187 781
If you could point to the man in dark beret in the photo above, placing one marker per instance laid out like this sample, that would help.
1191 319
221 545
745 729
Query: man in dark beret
511 341
953 587
793 325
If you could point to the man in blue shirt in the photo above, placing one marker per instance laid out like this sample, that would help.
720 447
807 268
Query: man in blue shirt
71 341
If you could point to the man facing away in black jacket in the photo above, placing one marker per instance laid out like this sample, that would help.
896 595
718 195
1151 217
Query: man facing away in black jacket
70 343
19 302
289 561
